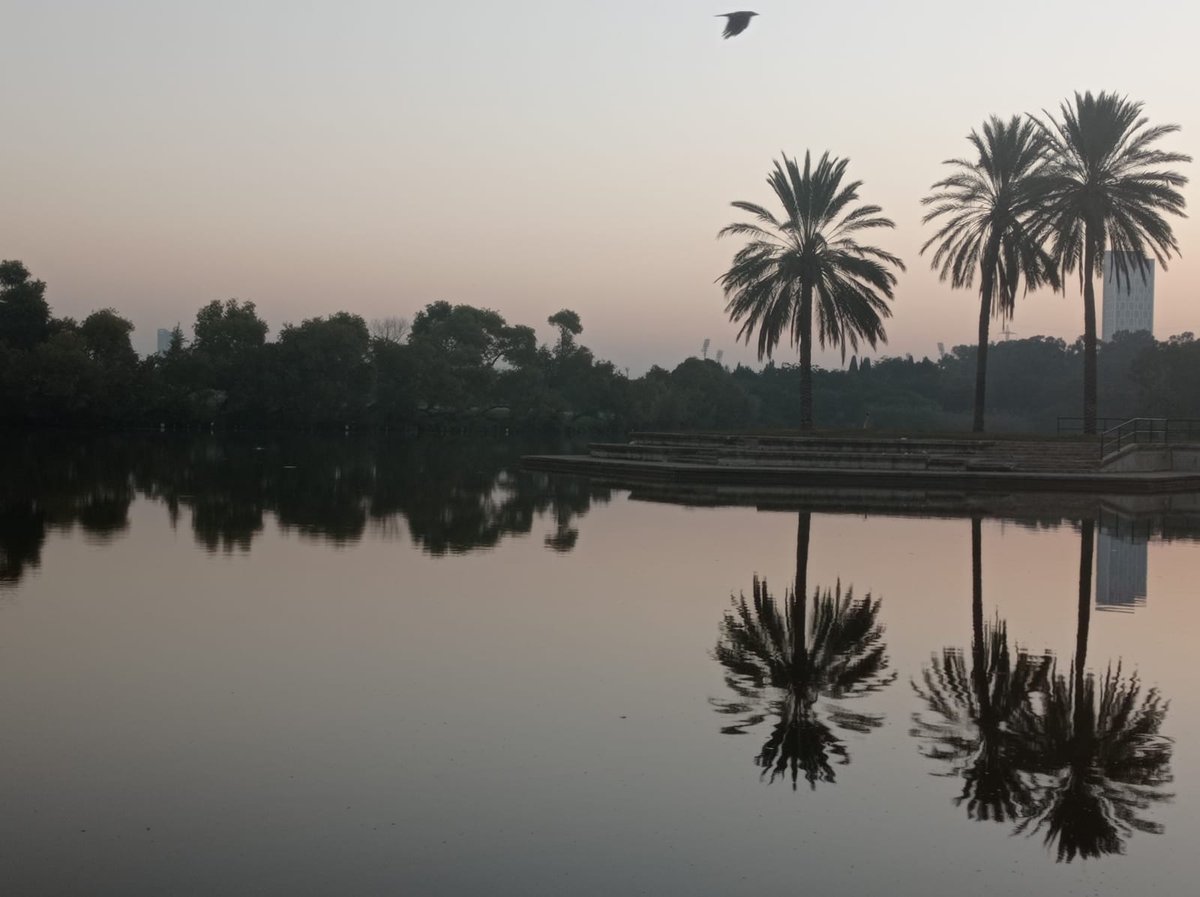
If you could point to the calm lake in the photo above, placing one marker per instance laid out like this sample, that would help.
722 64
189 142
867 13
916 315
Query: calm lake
327 665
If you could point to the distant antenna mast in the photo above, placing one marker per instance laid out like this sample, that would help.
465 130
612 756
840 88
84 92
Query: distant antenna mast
1008 333
704 350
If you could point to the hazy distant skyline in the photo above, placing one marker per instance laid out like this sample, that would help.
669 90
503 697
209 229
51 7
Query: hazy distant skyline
375 156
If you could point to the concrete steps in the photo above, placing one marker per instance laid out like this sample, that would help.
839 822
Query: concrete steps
854 453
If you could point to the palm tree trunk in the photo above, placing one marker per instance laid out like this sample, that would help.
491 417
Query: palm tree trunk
1089 337
803 528
985 314
806 313
1087 550
978 658
800 588
977 583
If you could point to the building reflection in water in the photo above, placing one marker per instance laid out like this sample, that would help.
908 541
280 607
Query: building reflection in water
1122 568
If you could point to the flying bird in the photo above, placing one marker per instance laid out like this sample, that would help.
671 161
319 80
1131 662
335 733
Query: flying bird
736 22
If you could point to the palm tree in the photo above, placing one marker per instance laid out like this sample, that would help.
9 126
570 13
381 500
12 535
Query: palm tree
809 261
976 709
986 210
780 663
1099 747
1107 187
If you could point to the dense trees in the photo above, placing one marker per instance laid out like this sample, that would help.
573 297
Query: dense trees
463 367
24 314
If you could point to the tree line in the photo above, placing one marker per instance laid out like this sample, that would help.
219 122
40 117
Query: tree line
458 367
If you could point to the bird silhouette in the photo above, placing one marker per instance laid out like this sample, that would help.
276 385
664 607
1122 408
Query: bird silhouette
736 22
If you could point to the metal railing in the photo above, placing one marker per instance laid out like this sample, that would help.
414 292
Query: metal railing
1073 426
1149 431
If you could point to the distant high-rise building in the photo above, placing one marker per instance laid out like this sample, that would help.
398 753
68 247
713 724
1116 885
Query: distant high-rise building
1128 298
164 340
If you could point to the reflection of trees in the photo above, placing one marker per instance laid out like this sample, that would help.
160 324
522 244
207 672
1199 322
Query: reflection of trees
791 665
1105 762
22 532
451 495
461 496
57 485
974 708
1076 758
1100 755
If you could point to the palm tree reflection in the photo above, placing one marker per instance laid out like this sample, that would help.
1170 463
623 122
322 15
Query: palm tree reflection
783 664
975 711
1101 758
1077 758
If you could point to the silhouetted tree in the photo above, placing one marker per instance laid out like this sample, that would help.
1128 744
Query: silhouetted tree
106 335
392 329
808 263
24 314
1107 187
225 330
985 211
569 326
322 369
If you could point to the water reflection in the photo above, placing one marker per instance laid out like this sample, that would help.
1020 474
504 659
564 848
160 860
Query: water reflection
974 712
1122 571
55 485
1078 759
789 666
452 496
1098 746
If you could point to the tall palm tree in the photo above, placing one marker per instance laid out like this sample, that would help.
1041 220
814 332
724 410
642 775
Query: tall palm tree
781 663
1099 747
974 711
985 210
808 262
1107 187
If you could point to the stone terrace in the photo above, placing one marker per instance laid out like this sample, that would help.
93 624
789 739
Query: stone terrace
856 453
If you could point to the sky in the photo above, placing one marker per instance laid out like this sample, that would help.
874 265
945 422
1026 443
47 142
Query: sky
376 155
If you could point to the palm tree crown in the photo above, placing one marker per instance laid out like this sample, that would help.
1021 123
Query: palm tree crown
1107 187
808 257
985 210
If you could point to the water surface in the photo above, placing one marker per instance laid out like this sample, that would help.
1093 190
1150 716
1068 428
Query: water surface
327 665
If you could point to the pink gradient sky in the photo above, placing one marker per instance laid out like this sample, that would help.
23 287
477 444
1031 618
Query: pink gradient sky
374 156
